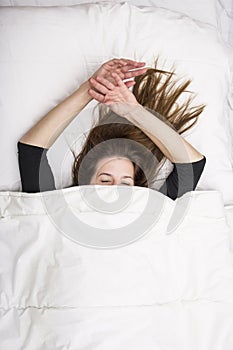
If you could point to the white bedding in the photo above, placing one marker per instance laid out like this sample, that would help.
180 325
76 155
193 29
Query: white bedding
172 288
160 292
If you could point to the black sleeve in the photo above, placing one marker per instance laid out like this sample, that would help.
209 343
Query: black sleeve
35 172
183 178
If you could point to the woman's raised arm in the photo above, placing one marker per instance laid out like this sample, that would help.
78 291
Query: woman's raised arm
48 129
122 101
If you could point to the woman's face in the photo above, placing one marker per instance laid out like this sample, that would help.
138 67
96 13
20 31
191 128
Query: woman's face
114 171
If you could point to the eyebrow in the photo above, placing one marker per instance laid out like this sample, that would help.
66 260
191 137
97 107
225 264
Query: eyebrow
126 176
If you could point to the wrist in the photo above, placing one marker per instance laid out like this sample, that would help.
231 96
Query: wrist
84 87
126 110
131 109
81 95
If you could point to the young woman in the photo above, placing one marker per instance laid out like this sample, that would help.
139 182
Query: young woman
127 144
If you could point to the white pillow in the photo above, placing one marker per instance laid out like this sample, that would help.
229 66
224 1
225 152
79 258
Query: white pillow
204 11
45 57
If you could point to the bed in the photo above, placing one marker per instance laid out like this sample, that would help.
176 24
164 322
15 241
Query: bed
85 268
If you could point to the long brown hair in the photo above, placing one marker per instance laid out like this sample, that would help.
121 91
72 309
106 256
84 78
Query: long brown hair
158 92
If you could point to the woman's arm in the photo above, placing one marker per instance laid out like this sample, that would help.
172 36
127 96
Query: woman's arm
122 101
48 129
169 141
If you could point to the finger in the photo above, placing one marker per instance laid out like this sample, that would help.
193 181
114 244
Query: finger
130 83
117 79
98 86
117 61
120 73
107 83
125 68
134 63
135 73
129 67
121 62
96 95
125 61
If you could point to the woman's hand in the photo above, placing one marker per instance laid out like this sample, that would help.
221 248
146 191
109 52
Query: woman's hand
115 95
123 67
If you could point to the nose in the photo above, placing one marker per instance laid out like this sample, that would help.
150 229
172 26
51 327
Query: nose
116 181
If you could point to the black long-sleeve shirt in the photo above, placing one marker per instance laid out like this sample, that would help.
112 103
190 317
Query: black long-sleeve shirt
36 174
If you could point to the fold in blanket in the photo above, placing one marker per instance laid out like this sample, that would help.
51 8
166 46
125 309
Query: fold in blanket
169 287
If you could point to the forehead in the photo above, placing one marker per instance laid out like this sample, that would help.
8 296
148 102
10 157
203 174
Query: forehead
113 162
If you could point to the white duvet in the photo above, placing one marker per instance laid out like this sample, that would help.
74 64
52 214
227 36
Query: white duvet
168 288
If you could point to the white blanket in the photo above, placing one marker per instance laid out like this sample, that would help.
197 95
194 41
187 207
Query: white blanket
166 284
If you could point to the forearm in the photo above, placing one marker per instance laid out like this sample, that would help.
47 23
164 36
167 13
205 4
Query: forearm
48 129
169 141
